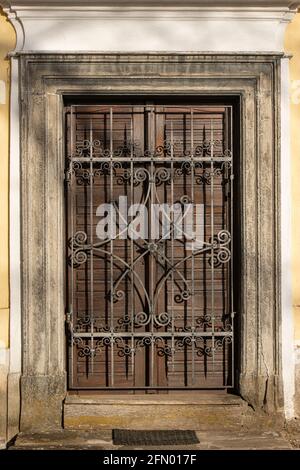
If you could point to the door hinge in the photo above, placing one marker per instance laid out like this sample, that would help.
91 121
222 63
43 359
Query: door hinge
67 176
68 321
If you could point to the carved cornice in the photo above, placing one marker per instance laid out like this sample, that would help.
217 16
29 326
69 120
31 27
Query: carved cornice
168 3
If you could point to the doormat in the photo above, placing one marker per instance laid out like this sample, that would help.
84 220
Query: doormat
153 438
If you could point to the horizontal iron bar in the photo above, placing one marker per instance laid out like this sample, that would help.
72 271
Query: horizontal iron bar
149 159
224 387
150 335
143 106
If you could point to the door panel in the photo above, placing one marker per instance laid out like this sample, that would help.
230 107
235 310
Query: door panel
148 306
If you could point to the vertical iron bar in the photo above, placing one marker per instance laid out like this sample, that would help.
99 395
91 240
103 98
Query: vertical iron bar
192 246
132 252
151 143
111 254
172 244
91 181
212 241
72 179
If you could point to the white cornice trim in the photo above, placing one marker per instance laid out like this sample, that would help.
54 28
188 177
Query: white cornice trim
146 28
150 3
157 13
18 26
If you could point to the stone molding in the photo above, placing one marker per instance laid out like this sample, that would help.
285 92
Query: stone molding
166 3
44 81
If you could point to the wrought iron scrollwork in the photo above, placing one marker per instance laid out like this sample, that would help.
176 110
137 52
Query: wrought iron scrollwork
163 315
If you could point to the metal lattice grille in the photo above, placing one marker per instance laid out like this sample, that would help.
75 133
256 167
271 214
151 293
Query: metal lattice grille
148 305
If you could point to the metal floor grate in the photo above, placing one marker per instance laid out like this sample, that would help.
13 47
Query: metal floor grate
153 438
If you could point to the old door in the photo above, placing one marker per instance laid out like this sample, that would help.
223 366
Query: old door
149 224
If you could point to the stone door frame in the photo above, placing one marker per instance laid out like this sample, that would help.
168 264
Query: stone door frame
44 80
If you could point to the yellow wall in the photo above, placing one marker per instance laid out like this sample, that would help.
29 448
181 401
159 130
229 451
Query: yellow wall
7 40
292 45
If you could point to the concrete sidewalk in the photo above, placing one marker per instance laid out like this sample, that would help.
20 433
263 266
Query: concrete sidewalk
102 440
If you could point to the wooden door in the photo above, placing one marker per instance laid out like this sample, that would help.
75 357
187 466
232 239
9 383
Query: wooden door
149 224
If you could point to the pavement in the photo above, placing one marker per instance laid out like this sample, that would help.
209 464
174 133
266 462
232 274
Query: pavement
287 439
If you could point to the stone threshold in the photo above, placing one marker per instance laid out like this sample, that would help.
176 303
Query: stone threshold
213 398
178 411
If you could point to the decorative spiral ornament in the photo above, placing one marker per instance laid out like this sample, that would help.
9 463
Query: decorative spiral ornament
182 297
77 341
86 144
107 341
125 320
204 320
97 172
179 344
207 144
162 175
186 341
227 325
187 153
145 341
218 171
224 255
200 351
140 175
83 178
117 165
79 238
218 344
141 319
124 178
76 166
105 153
83 322
227 153
204 351
224 237
79 257
199 179
186 168
118 295
165 351
97 143
105 168
85 352
148 154
159 151
227 340
185 199
198 151
163 319
124 349
118 152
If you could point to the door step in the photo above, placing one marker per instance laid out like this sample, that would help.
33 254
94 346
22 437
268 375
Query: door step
190 411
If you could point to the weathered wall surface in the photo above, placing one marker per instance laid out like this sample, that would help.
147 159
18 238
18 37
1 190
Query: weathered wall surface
7 40
292 45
